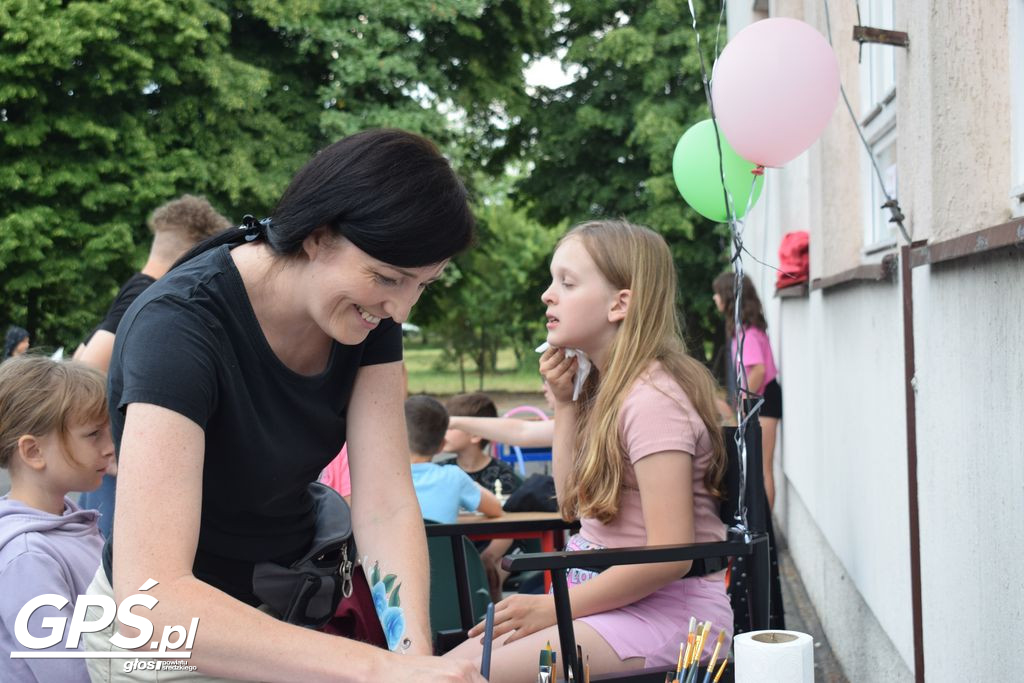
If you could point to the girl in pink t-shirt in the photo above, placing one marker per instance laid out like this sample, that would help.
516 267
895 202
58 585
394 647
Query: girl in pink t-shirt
760 376
637 457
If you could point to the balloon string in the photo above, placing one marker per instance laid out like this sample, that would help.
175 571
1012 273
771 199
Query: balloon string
736 230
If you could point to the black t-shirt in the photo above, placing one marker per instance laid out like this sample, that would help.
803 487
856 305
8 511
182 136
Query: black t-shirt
191 343
130 291
491 472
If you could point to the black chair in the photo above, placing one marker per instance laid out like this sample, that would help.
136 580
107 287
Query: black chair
752 542
445 612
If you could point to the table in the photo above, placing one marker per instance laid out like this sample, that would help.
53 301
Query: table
542 525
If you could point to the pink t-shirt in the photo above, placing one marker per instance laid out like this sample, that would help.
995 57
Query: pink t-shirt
658 416
336 473
757 350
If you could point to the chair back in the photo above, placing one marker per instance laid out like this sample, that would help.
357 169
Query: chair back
754 498
444 597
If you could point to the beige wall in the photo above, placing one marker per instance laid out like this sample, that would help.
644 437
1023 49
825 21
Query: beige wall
954 126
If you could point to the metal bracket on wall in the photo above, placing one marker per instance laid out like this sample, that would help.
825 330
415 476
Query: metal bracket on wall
867 34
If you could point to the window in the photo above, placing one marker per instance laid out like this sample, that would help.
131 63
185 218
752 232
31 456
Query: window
878 118
1016 35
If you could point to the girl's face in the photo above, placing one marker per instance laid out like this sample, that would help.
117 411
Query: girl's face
579 301
350 291
719 304
91 451
21 348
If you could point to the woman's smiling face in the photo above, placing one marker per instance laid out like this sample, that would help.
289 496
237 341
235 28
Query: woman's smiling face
350 291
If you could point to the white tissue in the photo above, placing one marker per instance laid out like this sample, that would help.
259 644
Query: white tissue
583 366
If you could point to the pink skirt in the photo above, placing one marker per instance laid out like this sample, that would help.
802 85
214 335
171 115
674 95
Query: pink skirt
654 626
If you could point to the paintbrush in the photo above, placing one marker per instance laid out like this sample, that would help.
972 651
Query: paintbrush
545 667
698 650
721 669
689 646
714 656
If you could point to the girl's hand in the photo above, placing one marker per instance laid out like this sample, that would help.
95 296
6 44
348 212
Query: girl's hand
558 371
520 615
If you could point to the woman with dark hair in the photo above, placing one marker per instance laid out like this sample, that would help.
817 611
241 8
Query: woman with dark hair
15 342
238 376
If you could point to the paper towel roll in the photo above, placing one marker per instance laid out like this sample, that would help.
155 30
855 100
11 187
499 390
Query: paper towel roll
774 657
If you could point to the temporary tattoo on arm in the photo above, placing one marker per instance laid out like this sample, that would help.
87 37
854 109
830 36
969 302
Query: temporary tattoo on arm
384 590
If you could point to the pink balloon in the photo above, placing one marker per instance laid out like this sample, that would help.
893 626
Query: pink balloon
774 88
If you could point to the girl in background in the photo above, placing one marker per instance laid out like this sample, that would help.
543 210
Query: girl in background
758 362
638 458
54 439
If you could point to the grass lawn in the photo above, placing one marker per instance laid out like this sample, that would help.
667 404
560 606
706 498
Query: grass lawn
424 377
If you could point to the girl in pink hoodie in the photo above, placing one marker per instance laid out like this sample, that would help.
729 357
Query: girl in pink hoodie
54 439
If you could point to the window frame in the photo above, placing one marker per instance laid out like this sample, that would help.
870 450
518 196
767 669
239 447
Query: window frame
1015 21
878 105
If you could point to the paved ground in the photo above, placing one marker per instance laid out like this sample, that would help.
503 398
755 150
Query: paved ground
800 616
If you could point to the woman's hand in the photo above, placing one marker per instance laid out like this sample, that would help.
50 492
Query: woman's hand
558 371
420 668
520 615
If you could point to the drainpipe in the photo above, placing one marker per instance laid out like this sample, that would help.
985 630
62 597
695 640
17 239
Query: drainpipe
911 404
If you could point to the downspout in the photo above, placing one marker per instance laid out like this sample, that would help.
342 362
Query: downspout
911 404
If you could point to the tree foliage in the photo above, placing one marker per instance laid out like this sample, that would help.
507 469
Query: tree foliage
601 146
490 298
108 109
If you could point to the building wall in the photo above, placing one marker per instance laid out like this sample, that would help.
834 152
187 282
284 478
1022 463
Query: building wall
841 465
969 330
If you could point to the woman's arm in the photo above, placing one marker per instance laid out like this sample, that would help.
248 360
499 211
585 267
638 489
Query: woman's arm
665 483
387 520
507 430
157 521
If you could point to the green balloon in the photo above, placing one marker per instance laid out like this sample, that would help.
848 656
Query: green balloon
695 168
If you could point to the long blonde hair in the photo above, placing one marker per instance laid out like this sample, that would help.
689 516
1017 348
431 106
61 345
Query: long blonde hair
638 259
40 396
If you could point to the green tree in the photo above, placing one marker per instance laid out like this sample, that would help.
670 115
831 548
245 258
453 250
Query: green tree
491 298
109 109
601 146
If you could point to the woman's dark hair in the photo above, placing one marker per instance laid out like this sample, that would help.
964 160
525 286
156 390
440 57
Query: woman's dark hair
15 335
751 313
389 192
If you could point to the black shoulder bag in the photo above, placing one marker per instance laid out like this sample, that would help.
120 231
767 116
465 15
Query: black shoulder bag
307 592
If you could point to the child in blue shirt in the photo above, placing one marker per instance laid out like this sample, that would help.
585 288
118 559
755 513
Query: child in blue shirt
441 491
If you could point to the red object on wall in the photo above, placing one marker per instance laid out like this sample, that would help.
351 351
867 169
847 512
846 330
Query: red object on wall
794 259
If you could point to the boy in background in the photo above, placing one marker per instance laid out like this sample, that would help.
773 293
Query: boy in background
441 491
485 471
469 449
